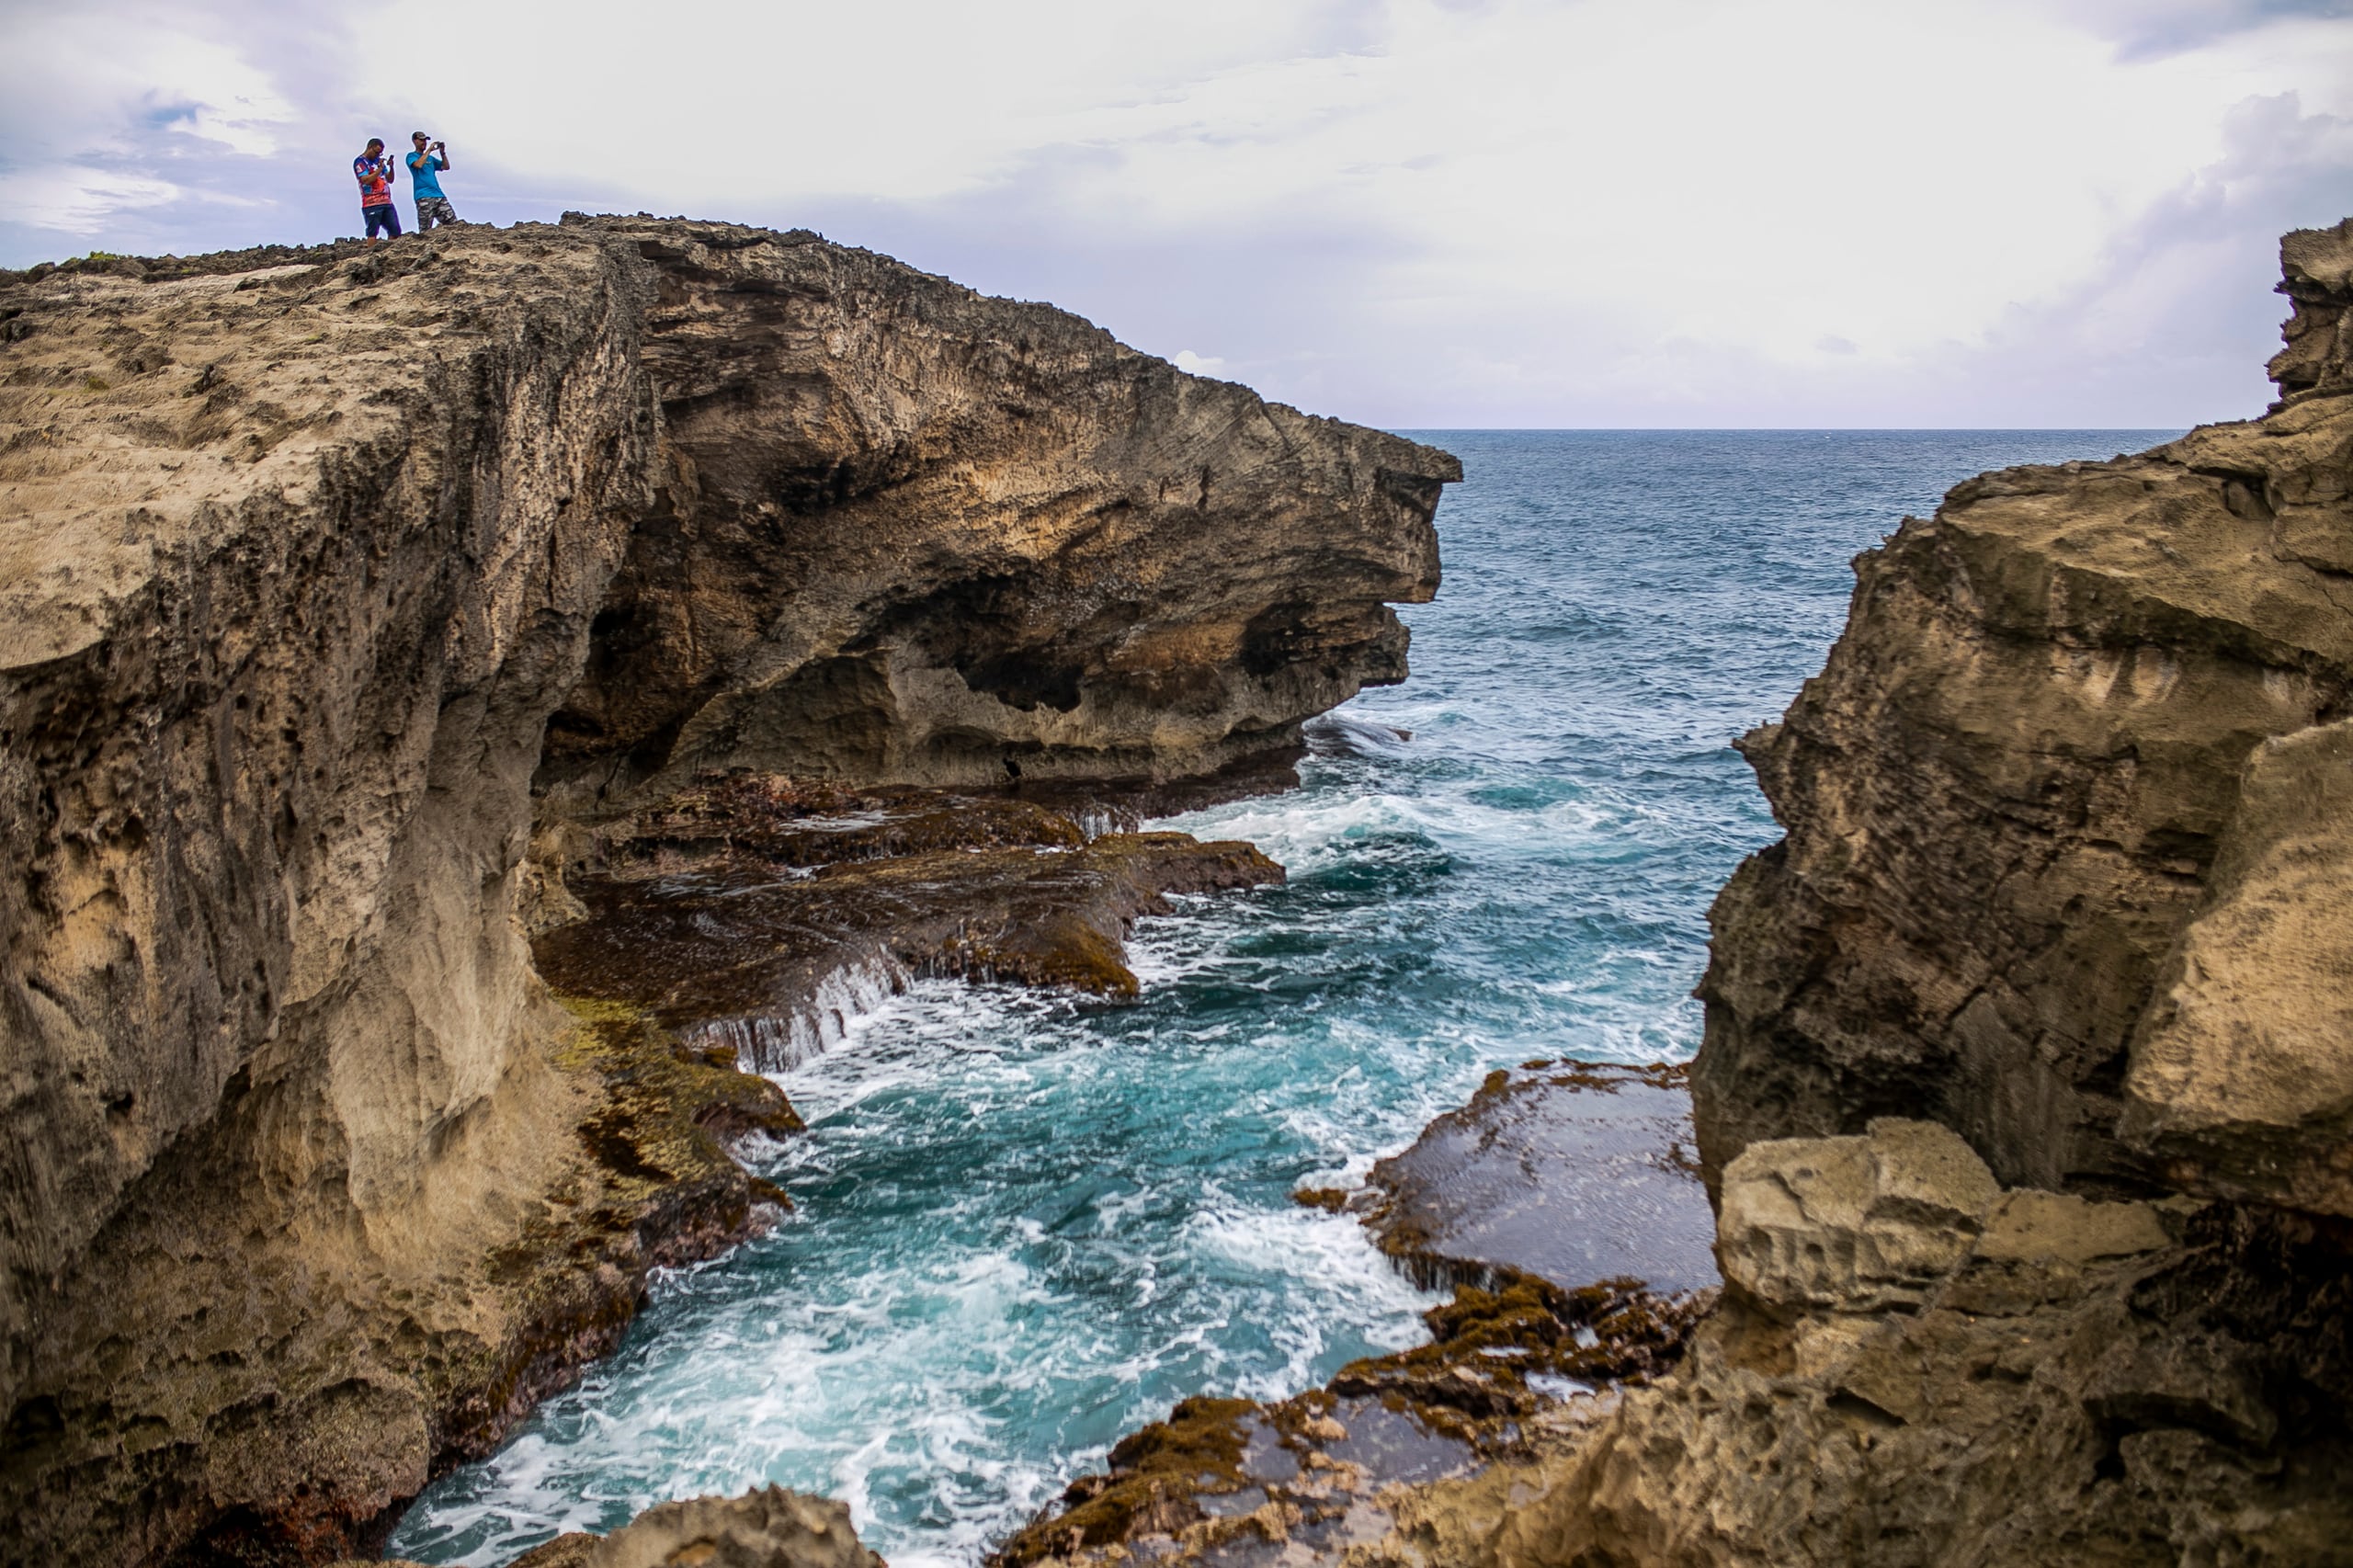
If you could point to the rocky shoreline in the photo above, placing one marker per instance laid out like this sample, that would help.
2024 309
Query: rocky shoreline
1541 1336
2024 1101
366 619
421 804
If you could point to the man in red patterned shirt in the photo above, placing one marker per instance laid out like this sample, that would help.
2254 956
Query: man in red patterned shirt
374 173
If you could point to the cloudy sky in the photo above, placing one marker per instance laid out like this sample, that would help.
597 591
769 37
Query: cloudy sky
1410 213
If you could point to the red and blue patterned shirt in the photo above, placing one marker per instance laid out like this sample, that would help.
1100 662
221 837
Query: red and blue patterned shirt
375 178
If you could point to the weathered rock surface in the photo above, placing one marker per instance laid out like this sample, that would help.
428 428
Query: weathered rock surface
726 911
1007 541
2025 1085
2006 793
2090 1382
767 1528
1572 1172
1852 1224
2317 268
283 599
330 584
2240 1079
770 1528
1535 1202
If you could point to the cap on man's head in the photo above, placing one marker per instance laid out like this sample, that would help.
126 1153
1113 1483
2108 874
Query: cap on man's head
416 135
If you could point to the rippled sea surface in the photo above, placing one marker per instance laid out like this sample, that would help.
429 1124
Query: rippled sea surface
1028 1224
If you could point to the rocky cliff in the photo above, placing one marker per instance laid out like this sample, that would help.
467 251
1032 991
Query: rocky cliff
331 583
2026 1090
2055 731
2064 809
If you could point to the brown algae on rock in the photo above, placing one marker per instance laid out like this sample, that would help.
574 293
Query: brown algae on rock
1157 1475
1314 1473
1496 1200
657 1188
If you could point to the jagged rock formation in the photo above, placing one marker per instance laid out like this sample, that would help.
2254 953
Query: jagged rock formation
2010 791
2317 268
1007 541
327 579
768 1528
2026 1090
2051 1379
1532 1202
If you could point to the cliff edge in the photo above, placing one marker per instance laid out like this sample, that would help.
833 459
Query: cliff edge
2025 1095
331 583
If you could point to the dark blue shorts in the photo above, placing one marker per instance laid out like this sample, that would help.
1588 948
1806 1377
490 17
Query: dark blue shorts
387 218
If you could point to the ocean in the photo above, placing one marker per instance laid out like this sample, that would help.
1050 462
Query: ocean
1029 1223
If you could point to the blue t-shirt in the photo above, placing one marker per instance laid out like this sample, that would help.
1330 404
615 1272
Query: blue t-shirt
421 167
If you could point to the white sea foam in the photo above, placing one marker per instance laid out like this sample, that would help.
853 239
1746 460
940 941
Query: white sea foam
1355 1284
771 1042
1305 833
1028 1223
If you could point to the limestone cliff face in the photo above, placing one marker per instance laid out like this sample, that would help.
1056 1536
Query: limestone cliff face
2055 744
2070 818
286 601
906 533
310 565
2027 1088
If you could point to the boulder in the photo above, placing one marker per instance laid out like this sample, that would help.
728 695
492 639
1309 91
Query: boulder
2241 1075
771 1528
1852 1224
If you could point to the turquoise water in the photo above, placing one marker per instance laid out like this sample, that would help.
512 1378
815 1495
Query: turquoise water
1029 1223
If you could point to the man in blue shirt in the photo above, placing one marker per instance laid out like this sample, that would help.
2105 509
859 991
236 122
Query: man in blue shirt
424 166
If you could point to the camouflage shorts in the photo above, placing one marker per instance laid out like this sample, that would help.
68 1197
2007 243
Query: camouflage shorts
432 210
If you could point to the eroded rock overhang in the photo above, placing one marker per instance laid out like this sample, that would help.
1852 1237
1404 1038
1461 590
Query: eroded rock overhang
904 533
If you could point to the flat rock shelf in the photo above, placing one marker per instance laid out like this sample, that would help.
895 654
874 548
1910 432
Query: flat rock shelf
1571 1170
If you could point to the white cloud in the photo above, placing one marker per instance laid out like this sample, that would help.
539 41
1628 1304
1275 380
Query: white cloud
101 107
77 199
1410 210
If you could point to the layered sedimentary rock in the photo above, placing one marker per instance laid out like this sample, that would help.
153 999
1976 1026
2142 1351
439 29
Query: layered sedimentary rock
2077 712
332 584
2027 1090
725 912
1009 545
